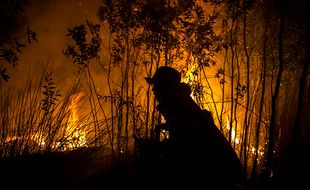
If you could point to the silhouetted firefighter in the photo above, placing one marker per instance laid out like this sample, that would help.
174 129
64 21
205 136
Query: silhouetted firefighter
196 151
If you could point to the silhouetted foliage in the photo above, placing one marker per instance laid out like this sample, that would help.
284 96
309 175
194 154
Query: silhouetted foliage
50 93
11 48
166 27
84 49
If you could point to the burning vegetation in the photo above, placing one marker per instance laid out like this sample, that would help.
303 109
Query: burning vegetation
239 58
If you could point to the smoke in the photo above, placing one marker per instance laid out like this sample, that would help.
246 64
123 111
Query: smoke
50 20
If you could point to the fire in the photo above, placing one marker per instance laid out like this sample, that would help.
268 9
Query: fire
190 77
72 136
233 132
74 133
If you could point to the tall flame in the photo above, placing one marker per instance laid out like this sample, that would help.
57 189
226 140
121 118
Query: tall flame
75 135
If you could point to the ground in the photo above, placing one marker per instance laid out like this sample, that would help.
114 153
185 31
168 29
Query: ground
92 168
76 169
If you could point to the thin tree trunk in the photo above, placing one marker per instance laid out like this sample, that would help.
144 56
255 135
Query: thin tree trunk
297 122
232 82
274 100
245 125
261 106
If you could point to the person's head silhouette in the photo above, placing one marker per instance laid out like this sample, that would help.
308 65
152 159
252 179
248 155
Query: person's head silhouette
165 75
165 81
